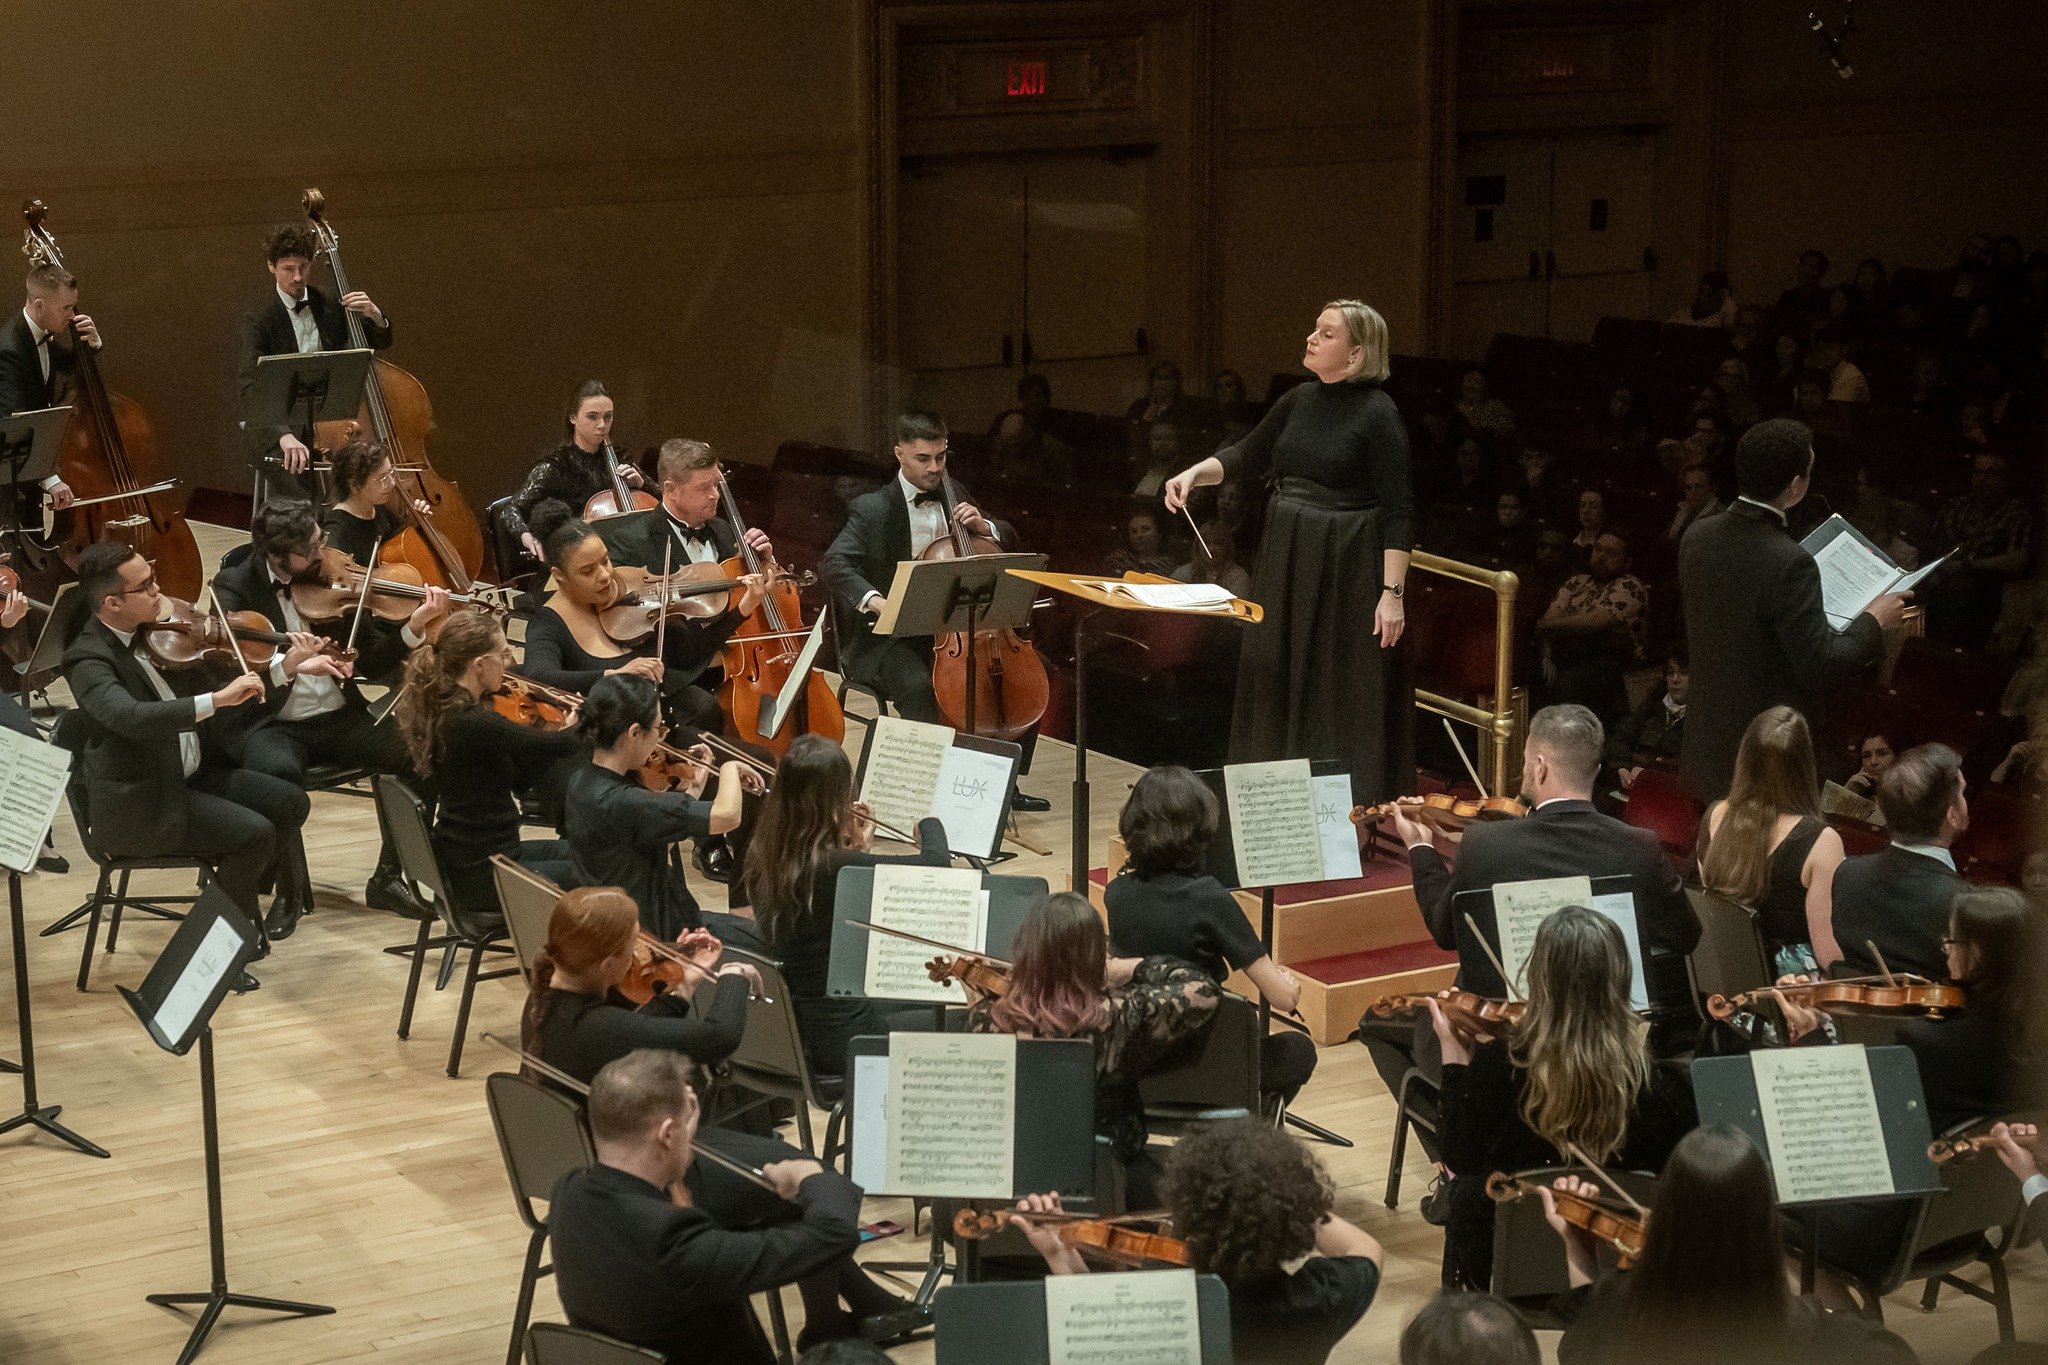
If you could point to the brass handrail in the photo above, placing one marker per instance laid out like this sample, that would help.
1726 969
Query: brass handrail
1497 725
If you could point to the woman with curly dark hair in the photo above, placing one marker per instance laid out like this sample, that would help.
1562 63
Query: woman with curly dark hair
1250 1202
362 516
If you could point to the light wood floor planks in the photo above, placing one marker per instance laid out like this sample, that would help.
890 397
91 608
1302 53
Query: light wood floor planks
358 1175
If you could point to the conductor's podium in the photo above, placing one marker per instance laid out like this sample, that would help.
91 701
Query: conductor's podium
1348 942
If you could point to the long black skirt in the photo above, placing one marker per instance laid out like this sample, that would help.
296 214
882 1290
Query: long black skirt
1313 681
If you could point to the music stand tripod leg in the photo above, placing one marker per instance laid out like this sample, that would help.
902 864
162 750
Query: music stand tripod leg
32 1113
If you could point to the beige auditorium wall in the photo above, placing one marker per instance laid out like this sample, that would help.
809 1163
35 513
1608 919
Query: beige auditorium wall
664 195
1323 172
1936 136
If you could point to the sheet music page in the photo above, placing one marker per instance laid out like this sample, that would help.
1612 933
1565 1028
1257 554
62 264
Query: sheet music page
867 1133
1333 823
903 762
945 903
1137 1317
1175 596
32 778
1620 906
952 1115
1273 822
1821 1121
1852 574
182 1002
971 798
774 713
1520 907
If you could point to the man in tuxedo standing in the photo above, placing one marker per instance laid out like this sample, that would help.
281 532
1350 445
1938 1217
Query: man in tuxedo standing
39 353
1753 618
294 318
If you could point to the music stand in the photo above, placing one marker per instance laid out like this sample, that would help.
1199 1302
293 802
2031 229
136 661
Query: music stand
28 451
1005 1320
176 1004
35 775
45 662
294 390
796 689
940 596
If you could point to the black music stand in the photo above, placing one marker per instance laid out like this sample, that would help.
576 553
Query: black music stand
295 390
941 596
28 454
1010 902
1005 1320
794 698
176 1005
33 1113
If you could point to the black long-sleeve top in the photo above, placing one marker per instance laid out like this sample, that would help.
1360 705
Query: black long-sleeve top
554 659
621 832
482 760
581 1034
1600 1329
569 473
1346 436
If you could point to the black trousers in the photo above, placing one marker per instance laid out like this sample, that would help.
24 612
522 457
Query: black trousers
1286 1061
1395 1046
245 823
290 749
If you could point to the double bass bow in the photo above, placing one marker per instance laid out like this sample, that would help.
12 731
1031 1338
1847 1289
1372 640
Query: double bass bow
762 650
444 545
109 461
1008 689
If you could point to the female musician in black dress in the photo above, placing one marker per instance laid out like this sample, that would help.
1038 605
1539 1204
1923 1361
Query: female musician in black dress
360 520
574 470
1314 681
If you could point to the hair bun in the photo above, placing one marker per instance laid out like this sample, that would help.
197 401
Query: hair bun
549 516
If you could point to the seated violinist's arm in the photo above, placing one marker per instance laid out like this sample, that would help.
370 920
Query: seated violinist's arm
1276 984
1581 1263
1336 1237
1060 1256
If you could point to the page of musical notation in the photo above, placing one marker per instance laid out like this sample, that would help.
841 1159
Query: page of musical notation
952 1115
32 778
1519 908
1273 823
1821 1121
1140 1317
1333 824
903 762
943 903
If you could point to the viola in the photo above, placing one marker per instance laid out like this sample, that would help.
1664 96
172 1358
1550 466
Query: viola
109 461
443 545
1121 1241
184 637
763 649
620 498
1471 1016
980 974
1009 686
1621 1229
332 586
1901 993
641 599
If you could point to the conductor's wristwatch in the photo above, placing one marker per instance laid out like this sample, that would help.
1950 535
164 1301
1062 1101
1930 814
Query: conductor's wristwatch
1394 588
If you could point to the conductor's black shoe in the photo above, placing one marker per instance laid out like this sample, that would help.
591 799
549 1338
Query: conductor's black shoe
896 1325
244 983
714 859
50 860
388 891
282 920
1024 801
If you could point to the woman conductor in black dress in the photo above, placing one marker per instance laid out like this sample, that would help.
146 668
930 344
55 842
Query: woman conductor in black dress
1314 682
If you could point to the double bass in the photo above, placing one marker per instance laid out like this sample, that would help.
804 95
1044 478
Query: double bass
444 544
109 461
761 651
1009 686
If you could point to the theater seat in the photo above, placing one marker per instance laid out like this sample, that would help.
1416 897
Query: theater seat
1658 803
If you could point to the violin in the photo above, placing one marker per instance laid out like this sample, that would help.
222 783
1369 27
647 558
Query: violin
1441 811
1009 690
109 461
1621 1229
1941 1151
444 545
641 598
658 967
980 974
1476 1017
525 702
620 498
1900 993
332 586
183 637
763 649
10 584
1120 1241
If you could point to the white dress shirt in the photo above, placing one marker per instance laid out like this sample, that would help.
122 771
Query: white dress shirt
1774 510
1934 851
202 706
927 522
42 341
305 326
313 694
691 551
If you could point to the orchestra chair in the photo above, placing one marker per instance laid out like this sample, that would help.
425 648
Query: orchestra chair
508 557
542 1137
1657 803
1417 1089
528 900
1730 957
557 1343
1528 1258
480 931
770 1062
1221 1071
846 681
74 730
1977 1216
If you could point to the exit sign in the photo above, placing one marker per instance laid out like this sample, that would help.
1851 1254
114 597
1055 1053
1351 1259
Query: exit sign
1027 78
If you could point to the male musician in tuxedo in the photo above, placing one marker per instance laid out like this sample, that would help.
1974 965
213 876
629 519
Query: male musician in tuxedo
1753 618
893 523
295 318
39 354
157 779
633 1265
1899 899
320 715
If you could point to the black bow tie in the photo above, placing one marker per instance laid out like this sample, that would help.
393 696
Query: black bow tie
44 339
701 534
303 304
925 499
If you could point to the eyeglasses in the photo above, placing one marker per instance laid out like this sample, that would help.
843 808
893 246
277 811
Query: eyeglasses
147 585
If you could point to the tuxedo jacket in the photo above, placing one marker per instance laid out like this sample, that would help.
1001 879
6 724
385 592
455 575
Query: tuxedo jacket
131 763
692 645
1758 637
267 330
243 584
1564 839
22 386
864 555
1899 900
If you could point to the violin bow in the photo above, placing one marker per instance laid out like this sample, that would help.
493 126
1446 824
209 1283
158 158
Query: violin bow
1465 758
1878 957
363 598
1578 1154
668 559
1492 956
562 1078
954 949
213 601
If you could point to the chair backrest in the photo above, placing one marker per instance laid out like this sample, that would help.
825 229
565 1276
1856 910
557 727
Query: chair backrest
1222 1072
405 824
528 900
1658 803
1729 957
541 1134
1528 1258
557 1343
770 1057
72 732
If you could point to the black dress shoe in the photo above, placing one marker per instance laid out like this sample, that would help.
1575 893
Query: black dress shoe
895 1326
262 944
714 860
1024 801
50 860
389 891
244 984
282 920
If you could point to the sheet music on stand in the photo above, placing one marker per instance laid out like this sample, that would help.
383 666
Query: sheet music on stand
214 944
1286 823
775 710
1015 1321
1854 572
910 770
32 778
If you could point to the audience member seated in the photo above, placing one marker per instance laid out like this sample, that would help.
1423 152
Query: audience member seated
1592 520
1576 1075
1897 901
1829 356
1766 846
1510 543
1021 453
1807 299
2025 764
1617 443
1713 304
1158 455
1696 499
1928 391
1752 337
1222 565
1875 755
1144 549
1464 1327
1593 632
1787 363
1548 500
1651 734
1738 397
1163 401
1481 410
1988 535
1870 299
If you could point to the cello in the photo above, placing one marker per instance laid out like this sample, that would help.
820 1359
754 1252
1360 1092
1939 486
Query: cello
445 545
109 462
1010 691
761 651
618 499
